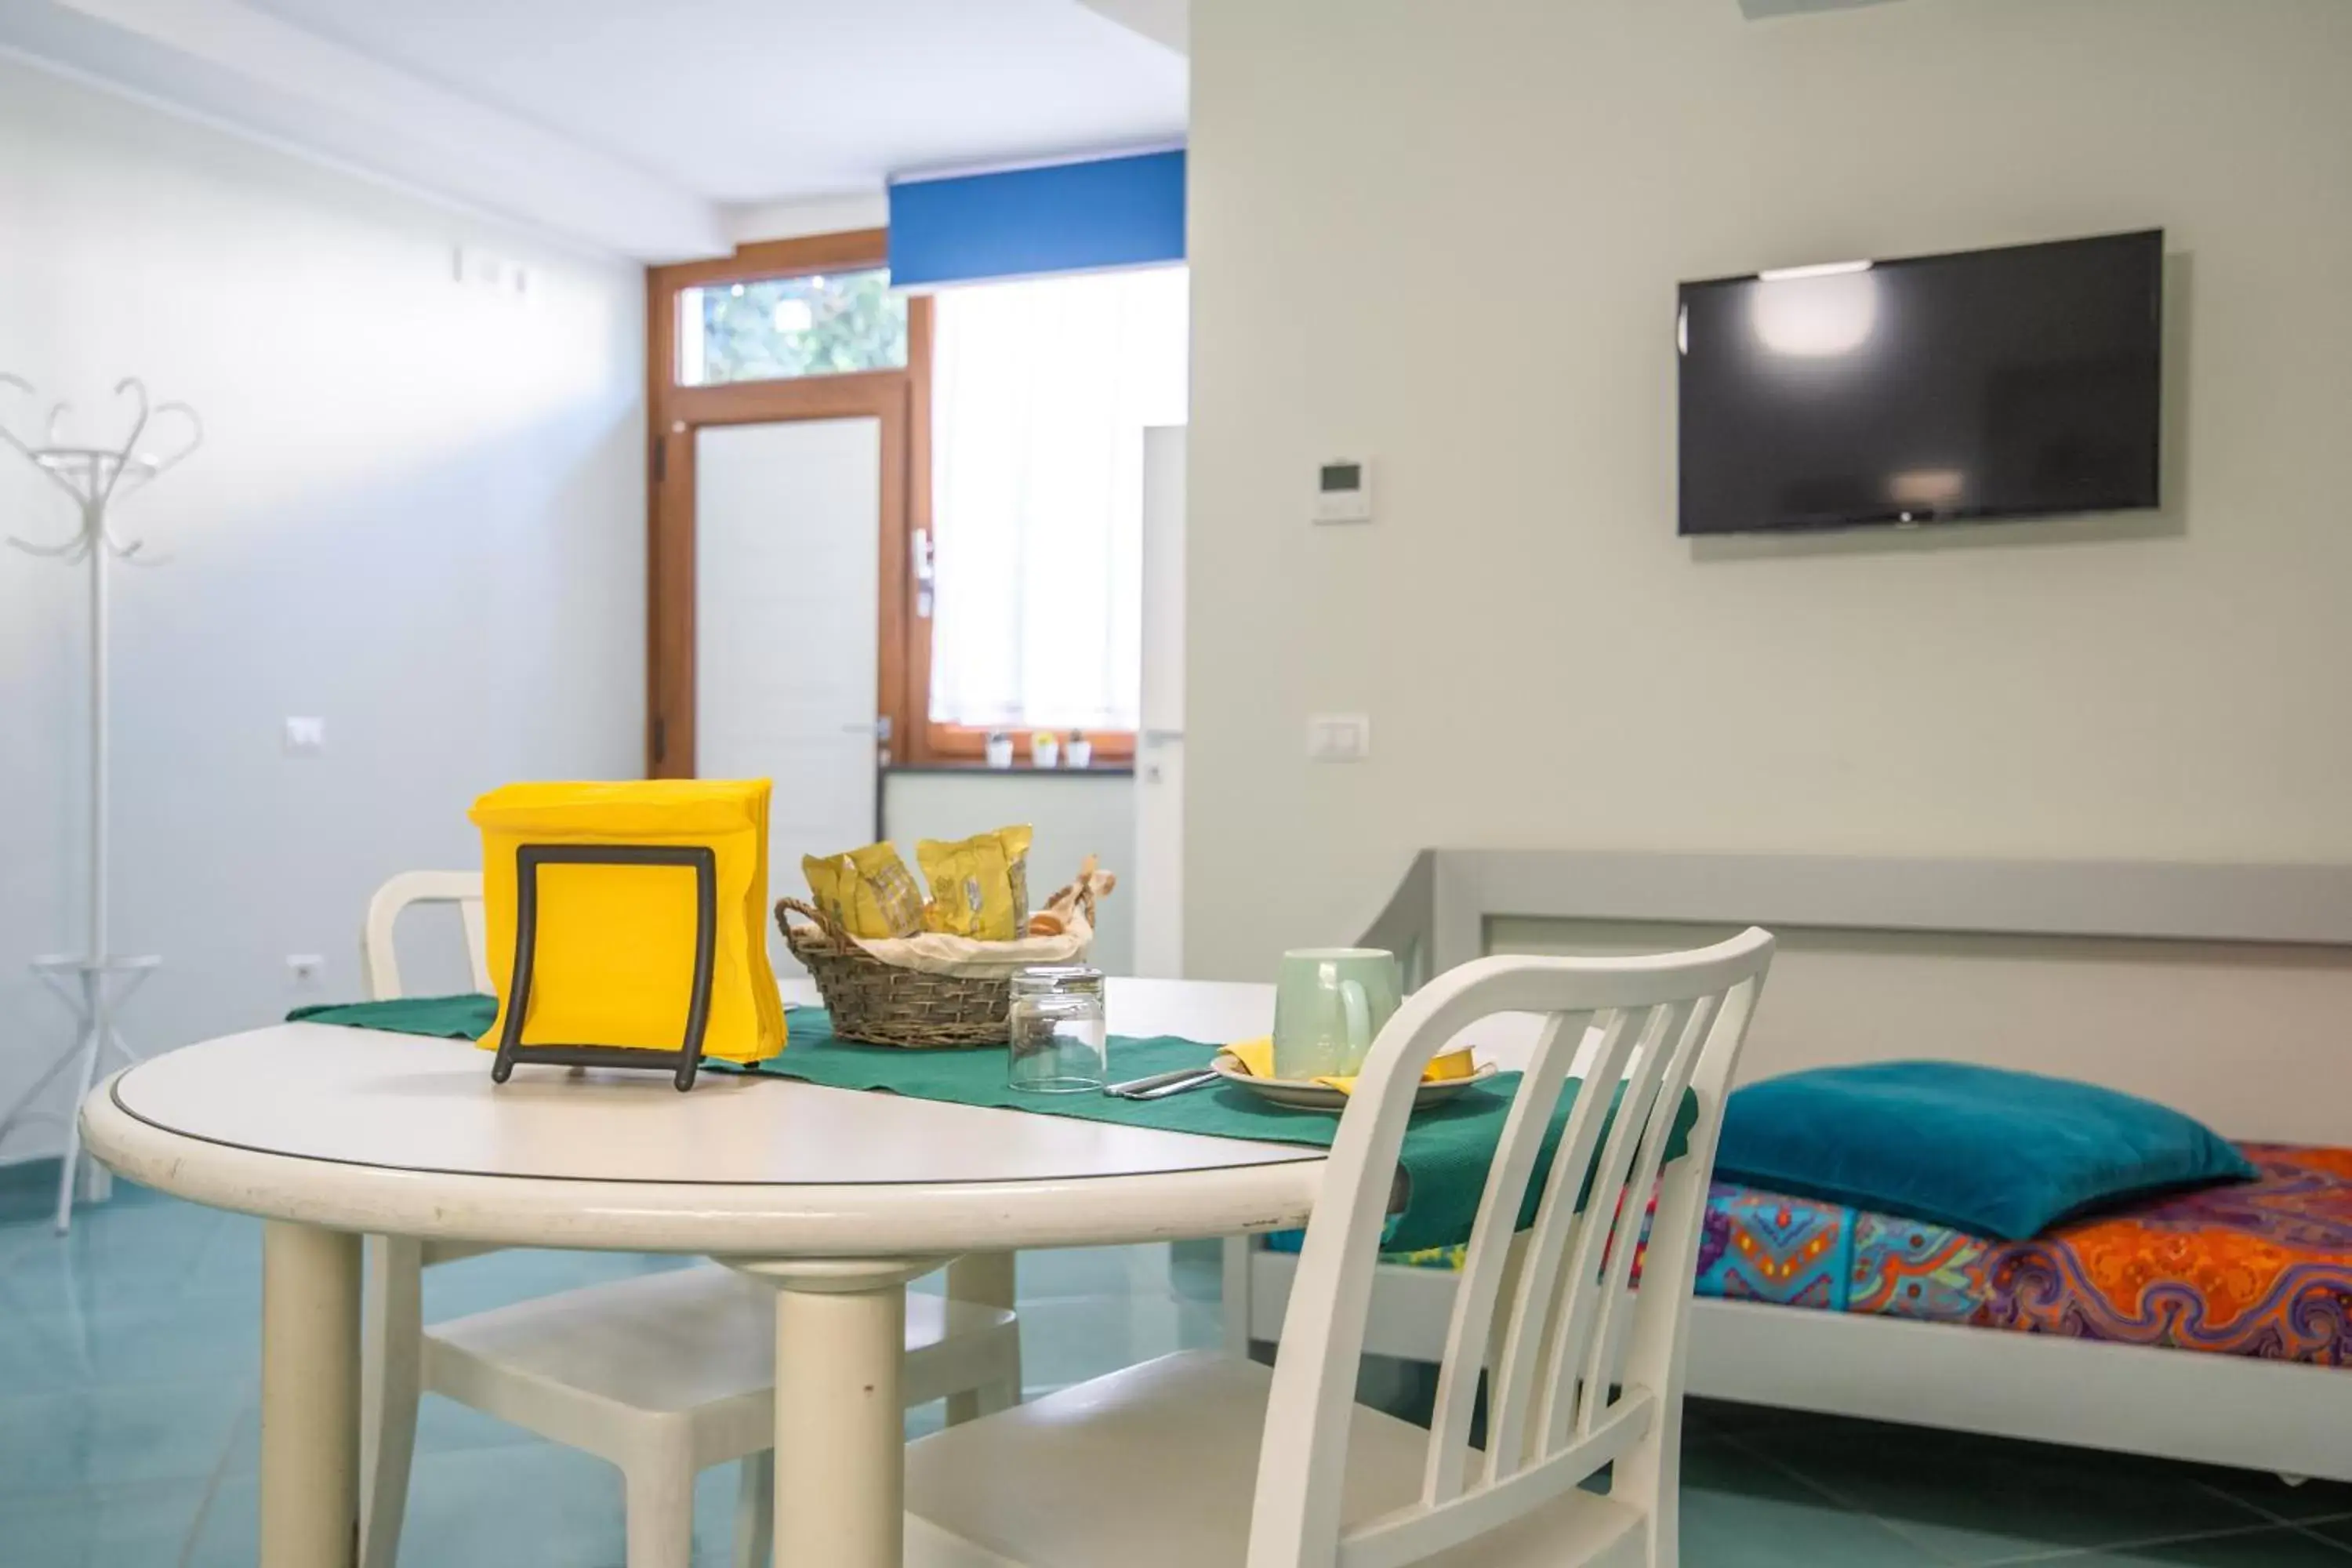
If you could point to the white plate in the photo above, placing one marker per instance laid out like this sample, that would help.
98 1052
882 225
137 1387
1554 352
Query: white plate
1306 1094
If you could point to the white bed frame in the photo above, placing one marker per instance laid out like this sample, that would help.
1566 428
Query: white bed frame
2268 947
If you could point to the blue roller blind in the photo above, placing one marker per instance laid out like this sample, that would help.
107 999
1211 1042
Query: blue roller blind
1061 217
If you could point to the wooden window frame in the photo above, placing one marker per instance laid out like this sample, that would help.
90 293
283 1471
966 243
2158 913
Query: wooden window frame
901 401
930 743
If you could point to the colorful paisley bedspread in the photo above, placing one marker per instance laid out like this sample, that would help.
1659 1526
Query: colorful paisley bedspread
2261 1268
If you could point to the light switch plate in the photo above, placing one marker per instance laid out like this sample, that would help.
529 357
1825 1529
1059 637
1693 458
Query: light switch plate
305 737
1338 737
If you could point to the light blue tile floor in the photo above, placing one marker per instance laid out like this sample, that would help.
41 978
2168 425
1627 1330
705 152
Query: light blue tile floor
129 1358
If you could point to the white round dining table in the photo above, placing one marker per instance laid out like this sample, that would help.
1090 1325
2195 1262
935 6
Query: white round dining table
837 1197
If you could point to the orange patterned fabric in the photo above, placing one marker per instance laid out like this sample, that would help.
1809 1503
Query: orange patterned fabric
2264 1268
2255 1268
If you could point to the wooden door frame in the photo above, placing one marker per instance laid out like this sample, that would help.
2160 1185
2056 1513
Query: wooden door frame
676 413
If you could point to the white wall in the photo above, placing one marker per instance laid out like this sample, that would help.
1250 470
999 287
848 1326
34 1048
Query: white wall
751 222
420 516
1075 815
1448 237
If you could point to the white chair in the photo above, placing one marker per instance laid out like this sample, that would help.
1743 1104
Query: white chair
392 1341
661 1376
665 1375
1148 1468
380 958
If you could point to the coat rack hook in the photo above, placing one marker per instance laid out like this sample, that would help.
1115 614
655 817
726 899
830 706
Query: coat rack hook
6 434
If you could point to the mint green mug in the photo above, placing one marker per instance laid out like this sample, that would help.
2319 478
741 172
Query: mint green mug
1328 1006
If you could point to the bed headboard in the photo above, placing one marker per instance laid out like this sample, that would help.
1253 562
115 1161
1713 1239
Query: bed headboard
2224 990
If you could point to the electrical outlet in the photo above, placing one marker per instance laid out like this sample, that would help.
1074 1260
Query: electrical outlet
305 968
305 737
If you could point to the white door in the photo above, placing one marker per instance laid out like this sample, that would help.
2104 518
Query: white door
1159 901
787 540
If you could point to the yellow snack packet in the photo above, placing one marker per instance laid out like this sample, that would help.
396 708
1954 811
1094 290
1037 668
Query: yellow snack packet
869 890
979 887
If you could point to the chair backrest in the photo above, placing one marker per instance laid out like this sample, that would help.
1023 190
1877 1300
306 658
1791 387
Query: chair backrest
380 965
1580 1370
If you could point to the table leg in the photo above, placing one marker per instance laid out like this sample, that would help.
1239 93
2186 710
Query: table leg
985 1280
309 1396
841 1460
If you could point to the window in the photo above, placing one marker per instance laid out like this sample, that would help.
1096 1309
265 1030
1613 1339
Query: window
1041 392
778 328
1012 420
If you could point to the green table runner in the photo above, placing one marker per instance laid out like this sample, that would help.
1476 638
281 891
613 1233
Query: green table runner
468 1017
1447 1149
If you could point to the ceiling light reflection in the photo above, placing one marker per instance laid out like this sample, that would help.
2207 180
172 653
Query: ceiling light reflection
1815 313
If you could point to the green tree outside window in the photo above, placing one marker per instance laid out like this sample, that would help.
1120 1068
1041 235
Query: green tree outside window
786 327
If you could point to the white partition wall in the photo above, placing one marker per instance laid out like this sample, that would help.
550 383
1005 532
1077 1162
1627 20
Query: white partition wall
1544 660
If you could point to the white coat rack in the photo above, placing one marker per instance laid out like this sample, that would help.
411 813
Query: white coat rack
95 982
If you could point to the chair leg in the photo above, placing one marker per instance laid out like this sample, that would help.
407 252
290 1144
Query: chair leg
1649 1477
985 1279
660 1490
1002 1391
391 1352
1236 1293
755 1510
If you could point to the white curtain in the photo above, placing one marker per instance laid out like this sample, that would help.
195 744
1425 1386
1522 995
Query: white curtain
1041 394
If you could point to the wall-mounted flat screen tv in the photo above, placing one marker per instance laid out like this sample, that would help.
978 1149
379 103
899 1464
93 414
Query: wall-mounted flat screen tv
2014 382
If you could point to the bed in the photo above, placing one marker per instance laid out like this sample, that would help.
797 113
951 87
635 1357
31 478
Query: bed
2213 1327
2262 1269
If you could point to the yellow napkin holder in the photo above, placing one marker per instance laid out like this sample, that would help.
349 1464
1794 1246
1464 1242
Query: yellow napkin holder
627 924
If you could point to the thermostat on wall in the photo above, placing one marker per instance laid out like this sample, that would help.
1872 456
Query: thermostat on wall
1343 491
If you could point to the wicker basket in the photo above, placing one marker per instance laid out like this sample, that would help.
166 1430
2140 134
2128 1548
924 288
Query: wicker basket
884 1005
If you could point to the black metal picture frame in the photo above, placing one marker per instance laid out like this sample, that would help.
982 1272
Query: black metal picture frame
529 857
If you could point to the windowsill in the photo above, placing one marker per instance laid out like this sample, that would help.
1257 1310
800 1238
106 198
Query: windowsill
1098 771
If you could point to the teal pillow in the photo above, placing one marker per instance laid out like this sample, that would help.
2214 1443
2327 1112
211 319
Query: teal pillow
1991 1152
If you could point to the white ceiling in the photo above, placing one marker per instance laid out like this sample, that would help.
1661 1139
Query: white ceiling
657 128
764 101
662 130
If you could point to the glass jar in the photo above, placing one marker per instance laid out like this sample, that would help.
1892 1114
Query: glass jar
1060 1040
